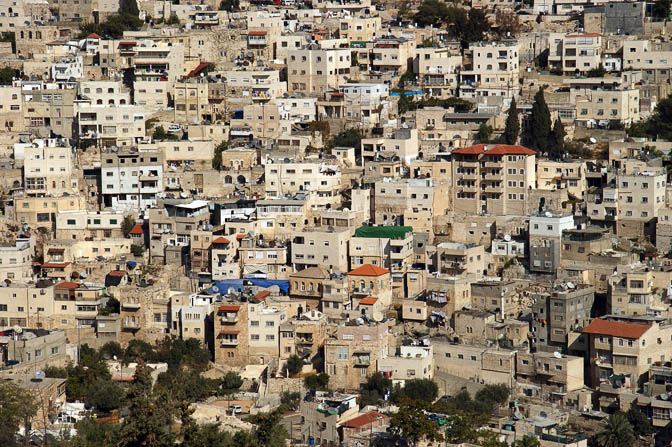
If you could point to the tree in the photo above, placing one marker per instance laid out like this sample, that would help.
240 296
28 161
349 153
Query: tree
660 124
375 389
541 122
129 7
617 432
137 250
268 431
508 24
160 133
93 433
556 140
661 9
150 414
484 133
173 20
217 159
348 138
17 407
640 423
412 424
112 306
477 25
431 12
104 395
527 441
512 129
294 364
290 401
464 427
7 75
493 394
229 5
597 72
421 389
317 382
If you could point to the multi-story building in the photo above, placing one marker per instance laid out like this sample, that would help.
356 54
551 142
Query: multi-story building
131 179
403 143
408 362
319 180
556 313
352 353
437 71
458 260
545 234
493 179
580 53
158 61
490 69
191 101
111 126
47 168
650 57
314 71
320 247
89 225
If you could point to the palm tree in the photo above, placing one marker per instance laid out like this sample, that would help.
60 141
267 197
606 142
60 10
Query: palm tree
527 441
617 433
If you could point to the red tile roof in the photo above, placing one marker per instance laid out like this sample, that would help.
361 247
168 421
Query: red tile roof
364 419
67 285
221 240
616 328
126 43
494 149
137 229
229 332
93 36
262 295
122 378
368 270
229 308
117 273
368 301
257 33
198 68
55 265
240 236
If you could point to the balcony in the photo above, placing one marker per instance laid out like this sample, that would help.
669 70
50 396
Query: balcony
229 318
128 323
228 341
361 359
130 306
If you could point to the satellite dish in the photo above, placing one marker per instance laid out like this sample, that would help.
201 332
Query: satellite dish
548 214
215 289
17 329
40 375
664 396
557 355
593 140
507 237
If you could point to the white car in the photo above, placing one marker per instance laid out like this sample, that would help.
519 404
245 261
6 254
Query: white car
174 128
235 409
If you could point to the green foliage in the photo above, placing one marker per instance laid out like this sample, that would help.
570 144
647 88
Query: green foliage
317 382
229 5
527 441
556 141
512 128
137 250
420 389
431 12
596 72
112 349
374 390
129 7
412 424
541 122
469 26
111 307
618 432
294 364
460 105
347 138
209 435
150 414
113 27
7 74
92 433
290 401
661 9
17 407
465 427
173 20
405 103
104 395
493 394
485 401
217 159
268 431
231 383
640 423
160 134
484 133
660 124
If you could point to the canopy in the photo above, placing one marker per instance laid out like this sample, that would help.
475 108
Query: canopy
391 232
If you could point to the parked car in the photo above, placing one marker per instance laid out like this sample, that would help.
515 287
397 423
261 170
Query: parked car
235 409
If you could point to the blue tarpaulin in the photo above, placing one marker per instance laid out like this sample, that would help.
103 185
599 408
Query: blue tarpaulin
131 264
419 92
224 285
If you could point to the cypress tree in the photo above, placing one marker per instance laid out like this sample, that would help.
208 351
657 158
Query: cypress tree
556 140
541 122
512 129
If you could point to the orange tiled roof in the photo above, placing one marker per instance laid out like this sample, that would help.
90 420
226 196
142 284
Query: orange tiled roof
616 328
368 301
229 308
368 270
